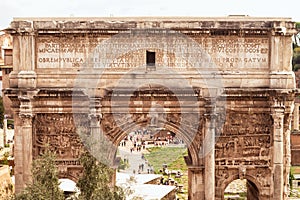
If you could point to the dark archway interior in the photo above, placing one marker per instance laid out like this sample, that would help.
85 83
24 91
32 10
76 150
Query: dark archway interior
252 191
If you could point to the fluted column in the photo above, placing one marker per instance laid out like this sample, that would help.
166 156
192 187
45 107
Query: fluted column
278 154
23 119
18 154
22 151
27 147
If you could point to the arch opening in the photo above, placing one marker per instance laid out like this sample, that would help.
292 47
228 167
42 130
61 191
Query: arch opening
69 188
241 189
155 158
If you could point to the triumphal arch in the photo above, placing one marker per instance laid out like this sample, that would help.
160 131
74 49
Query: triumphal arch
223 85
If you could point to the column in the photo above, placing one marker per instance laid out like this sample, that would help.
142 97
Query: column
18 154
101 147
287 154
22 151
27 147
4 130
94 141
209 156
196 183
289 108
296 117
278 162
23 144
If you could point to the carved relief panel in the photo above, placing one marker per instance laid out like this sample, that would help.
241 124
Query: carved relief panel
260 176
244 140
59 131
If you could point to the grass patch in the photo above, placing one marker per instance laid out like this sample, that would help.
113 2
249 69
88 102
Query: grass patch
295 169
179 163
172 156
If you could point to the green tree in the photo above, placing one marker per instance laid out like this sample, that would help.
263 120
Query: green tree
45 182
95 182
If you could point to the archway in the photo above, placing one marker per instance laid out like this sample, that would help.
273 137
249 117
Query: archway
241 189
236 189
161 83
49 89
172 121
193 151
68 186
155 159
240 186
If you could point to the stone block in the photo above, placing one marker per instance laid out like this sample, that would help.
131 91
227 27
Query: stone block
27 79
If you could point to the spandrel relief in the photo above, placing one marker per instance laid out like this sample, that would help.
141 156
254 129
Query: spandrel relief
59 131
246 138
246 123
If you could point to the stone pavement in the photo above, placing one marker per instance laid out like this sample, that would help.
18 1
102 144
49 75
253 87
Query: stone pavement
134 159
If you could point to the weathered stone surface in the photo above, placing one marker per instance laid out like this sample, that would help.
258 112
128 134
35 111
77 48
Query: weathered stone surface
224 85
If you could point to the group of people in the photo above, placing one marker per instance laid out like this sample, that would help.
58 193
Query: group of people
138 146
123 143
141 169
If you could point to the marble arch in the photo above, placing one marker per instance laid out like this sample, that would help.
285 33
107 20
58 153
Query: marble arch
245 124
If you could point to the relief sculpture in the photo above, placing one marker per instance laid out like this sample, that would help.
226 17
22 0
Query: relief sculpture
221 175
58 130
246 123
246 138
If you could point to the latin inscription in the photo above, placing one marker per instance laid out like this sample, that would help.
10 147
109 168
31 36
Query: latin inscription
234 52
61 52
226 52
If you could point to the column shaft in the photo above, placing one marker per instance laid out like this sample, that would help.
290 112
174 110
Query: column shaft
296 117
18 155
278 154
196 183
27 148
209 160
